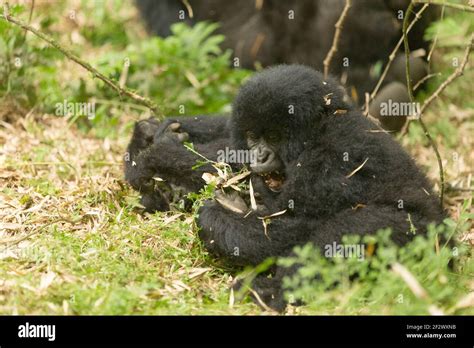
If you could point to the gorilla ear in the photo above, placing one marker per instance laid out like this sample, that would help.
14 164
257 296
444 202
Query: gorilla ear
336 98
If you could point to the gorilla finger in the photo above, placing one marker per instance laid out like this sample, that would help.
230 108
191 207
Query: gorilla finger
182 137
173 127
233 206
146 129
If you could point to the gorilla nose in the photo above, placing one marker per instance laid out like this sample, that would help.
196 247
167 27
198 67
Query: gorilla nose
265 161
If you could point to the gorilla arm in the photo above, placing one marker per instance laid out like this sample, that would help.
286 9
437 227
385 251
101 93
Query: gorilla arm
157 149
170 160
244 241
203 129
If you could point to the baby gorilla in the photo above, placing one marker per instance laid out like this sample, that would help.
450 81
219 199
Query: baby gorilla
327 170
341 175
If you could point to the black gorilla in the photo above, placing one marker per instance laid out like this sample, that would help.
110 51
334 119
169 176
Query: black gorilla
337 173
301 31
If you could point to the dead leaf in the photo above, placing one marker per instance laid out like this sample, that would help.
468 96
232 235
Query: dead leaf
225 203
236 179
267 219
253 202
46 280
196 272
10 226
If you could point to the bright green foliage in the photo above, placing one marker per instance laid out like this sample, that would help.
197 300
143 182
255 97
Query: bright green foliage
186 73
368 284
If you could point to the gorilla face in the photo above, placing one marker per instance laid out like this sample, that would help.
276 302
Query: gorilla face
277 115
264 152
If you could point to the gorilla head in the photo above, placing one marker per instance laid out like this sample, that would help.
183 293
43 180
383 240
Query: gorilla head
275 101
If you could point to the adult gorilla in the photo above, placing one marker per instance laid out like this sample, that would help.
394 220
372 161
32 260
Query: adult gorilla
302 31
317 157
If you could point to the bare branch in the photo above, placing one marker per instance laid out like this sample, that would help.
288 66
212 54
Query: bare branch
427 77
447 4
121 91
435 40
407 51
412 100
29 17
458 72
391 58
335 41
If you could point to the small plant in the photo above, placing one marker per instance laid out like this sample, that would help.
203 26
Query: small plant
27 70
370 284
186 73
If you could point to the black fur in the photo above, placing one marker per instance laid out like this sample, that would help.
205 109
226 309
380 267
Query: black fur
322 143
154 151
268 36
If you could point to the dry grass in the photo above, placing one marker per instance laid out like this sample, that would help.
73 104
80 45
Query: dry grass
69 226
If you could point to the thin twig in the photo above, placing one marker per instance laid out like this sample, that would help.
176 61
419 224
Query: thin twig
188 8
415 287
435 40
391 58
458 72
412 100
121 91
335 41
357 169
427 77
447 4
260 301
29 17
407 51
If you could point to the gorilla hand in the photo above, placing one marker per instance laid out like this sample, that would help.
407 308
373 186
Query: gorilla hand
171 134
232 201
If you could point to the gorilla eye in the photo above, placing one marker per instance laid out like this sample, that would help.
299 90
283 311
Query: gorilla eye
251 136
273 137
